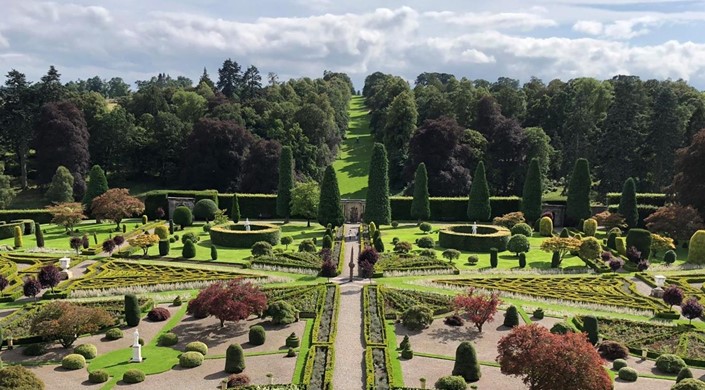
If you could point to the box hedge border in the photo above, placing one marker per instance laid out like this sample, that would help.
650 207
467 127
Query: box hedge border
223 235
643 198
37 215
452 236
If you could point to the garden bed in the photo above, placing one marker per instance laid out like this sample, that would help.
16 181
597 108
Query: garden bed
374 316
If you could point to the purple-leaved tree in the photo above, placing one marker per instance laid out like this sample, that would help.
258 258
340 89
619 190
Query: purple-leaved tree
615 264
76 243
692 309
3 283
673 295
49 276
31 287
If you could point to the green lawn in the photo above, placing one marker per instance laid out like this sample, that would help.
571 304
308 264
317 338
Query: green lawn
353 162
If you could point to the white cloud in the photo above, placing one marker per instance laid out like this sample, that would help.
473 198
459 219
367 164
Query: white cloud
590 27
502 20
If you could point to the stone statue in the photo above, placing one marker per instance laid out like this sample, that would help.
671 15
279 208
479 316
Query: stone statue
474 228
136 348
247 224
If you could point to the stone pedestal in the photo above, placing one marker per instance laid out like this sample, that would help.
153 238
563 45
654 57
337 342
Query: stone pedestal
657 292
136 348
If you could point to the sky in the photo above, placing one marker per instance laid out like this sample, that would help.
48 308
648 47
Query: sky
137 39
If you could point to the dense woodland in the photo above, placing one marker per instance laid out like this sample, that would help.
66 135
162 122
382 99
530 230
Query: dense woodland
227 133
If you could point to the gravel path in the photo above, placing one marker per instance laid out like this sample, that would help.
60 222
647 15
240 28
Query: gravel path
641 287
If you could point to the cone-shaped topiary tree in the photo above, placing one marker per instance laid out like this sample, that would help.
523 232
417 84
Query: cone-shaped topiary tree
234 359
235 210
466 364
479 208
511 317
627 203
590 327
330 211
286 183
578 204
132 310
420 204
533 189
39 235
97 185
377 208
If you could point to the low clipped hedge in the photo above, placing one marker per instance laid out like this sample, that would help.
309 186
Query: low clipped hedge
88 351
168 339
73 361
37 215
190 359
451 209
235 236
460 237
98 376
133 376
628 374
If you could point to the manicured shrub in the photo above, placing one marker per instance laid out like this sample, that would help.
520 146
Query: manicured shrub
214 253
556 259
420 205
234 359
494 259
168 339
37 349
522 228
479 208
451 383
378 244
611 240
207 227
641 240
621 244
426 242
189 250
327 242
261 248
177 301
402 247
405 343
292 341
158 314
257 335
696 248
407 354
591 328
669 363
518 243
590 227
511 317
612 350
689 384
590 248
133 376
453 320
88 351
395 224
578 203
235 209
19 377
307 246
546 227
98 376
205 209
522 260
628 203
238 380
113 334
164 247
561 328
473 259
377 206
189 236
618 364
182 216
330 210
628 374
684 373
533 189
190 359
282 313
39 235
197 346
162 231
425 227
18 237
669 257
417 317
466 364
132 310
538 313
73 361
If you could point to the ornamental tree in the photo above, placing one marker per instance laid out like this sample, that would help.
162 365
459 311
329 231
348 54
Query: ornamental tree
97 185
108 246
49 276
420 204
76 243
144 241
549 361
533 190
377 207
368 255
673 295
661 244
478 308
31 287
304 200
676 221
610 220
628 204
231 301
65 321
116 204
479 208
330 211
61 188
118 240
578 204
67 215
562 245
691 309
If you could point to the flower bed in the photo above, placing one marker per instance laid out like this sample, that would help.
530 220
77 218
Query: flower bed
377 364
461 237
400 263
235 236
304 298
325 324
305 260
318 372
374 316
396 301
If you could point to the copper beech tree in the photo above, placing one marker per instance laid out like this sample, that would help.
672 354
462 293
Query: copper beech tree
65 321
479 308
676 221
547 361
231 301
67 215
116 204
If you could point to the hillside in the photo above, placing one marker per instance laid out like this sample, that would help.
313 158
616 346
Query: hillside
353 161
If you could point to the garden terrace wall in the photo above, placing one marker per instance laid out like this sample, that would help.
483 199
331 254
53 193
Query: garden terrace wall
37 215
225 235
451 209
460 237
650 199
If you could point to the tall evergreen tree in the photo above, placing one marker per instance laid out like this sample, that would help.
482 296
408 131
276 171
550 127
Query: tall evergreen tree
286 183
97 185
420 205
578 205
330 211
235 209
628 204
668 128
205 78
17 115
533 189
229 78
401 123
377 208
61 188
479 208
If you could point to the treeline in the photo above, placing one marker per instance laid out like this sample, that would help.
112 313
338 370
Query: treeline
625 127
225 134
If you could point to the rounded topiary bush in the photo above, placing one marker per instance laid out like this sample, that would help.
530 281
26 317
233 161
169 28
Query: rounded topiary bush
88 351
522 228
133 376
612 350
282 313
696 248
177 301
425 227
518 243
293 341
417 317
234 359
204 210
538 313
197 346
641 240
162 231
189 250
73 361
19 377
561 328
466 364
261 248
689 384
290 352
158 314
618 364
257 335
98 376
670 364
511 317
168 339
546 227
453 382
182 216
190 359
113 334
628 374
407 354
590 227
425 242
684 373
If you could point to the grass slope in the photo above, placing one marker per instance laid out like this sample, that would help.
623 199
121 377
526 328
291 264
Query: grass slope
353 162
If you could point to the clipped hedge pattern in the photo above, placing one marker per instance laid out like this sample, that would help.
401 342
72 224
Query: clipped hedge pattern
235 236
451 209
460 237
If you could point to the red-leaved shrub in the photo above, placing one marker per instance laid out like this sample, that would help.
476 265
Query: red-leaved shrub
158 314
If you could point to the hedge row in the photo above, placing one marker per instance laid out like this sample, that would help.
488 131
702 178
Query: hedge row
460 237
224 235
644 211
317 376
324 327
657 200
37 215
7 230
452 209
377 357
159 198
373 305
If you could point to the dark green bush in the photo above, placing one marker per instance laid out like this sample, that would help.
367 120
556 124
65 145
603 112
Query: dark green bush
261 248
19 377
611 240
177 301
628 374
425 242
641 240
518 243
132 310
189 236
257 335
162 231
407 354
164 247
234 359
670 364
538 313
98 376
73 361
290 352
282 313
417 317
113 334
511 317
618 364
204 210
38 349
425 227
460 237
182 216
684 373
669 257
133 376
612 350
561 328
466 364
555 260
522 260
88 351
522 228
405 343
292 341
214 253
189 250
190 359
168 339
591 328
689 384
494 260
307 246
451 383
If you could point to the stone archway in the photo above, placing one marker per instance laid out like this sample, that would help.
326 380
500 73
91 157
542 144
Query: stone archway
353 210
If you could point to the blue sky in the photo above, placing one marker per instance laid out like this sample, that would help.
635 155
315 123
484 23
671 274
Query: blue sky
546 38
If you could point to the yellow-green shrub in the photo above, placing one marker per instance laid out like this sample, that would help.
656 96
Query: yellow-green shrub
546 227
696 248
590 227
18 237
621 243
